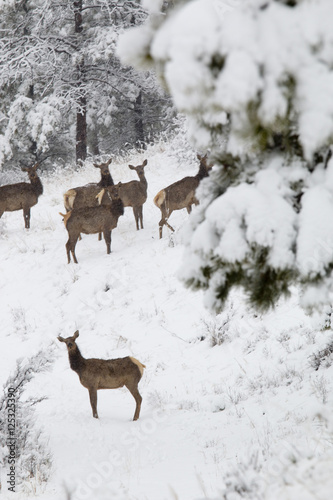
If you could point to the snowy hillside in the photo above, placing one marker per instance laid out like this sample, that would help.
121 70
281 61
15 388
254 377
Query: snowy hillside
232 404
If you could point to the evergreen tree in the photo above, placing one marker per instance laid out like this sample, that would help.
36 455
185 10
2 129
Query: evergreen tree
255 79
63 88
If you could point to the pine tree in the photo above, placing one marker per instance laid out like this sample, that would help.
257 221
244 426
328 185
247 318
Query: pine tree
255 79
63 88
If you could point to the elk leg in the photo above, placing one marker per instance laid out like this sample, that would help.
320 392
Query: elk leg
73 249
138 399
70 248
170 227
26 215
140 210
167 218
107 238
136 217
99 236
162 223
93 401
68 251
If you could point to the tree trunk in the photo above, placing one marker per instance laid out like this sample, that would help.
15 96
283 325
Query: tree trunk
81 115
33 146
81 131
78 16
138 121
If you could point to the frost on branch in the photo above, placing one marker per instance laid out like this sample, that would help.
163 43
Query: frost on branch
32 457
27 122
256 82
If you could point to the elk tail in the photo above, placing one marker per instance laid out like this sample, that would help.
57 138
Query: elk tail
138 364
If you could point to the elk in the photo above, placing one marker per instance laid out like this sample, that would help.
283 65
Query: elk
134 193
180 194
22 196
92 220
95 374
85 196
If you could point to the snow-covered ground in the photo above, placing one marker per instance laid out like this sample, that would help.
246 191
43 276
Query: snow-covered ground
231 403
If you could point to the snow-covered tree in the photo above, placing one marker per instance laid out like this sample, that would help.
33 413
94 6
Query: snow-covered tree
21 442
255 80
63 89
28 113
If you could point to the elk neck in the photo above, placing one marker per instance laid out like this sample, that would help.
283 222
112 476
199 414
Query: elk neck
143 180
37 186
106 181
76 360
202 171
117 207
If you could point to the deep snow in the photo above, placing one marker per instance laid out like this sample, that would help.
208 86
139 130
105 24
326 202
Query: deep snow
214 417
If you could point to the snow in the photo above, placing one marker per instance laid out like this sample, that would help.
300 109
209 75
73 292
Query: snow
248 215
315 237
228 400
268 56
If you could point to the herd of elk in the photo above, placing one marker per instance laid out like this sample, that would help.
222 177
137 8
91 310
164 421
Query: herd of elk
96 207
133 193
22 195
95 374
86 196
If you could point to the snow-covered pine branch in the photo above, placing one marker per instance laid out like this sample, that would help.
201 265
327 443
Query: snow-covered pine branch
256 82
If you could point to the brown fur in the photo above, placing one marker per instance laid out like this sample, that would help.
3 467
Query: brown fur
180 194
134 193
96 374
92 220
22 196
85 196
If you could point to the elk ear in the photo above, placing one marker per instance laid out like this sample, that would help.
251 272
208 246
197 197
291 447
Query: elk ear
25 169
61 339
144 163
109 161
131 167
76 334
35 166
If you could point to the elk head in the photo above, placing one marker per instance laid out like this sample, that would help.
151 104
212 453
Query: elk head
70 341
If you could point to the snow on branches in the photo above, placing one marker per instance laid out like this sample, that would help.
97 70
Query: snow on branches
22 443
255 79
